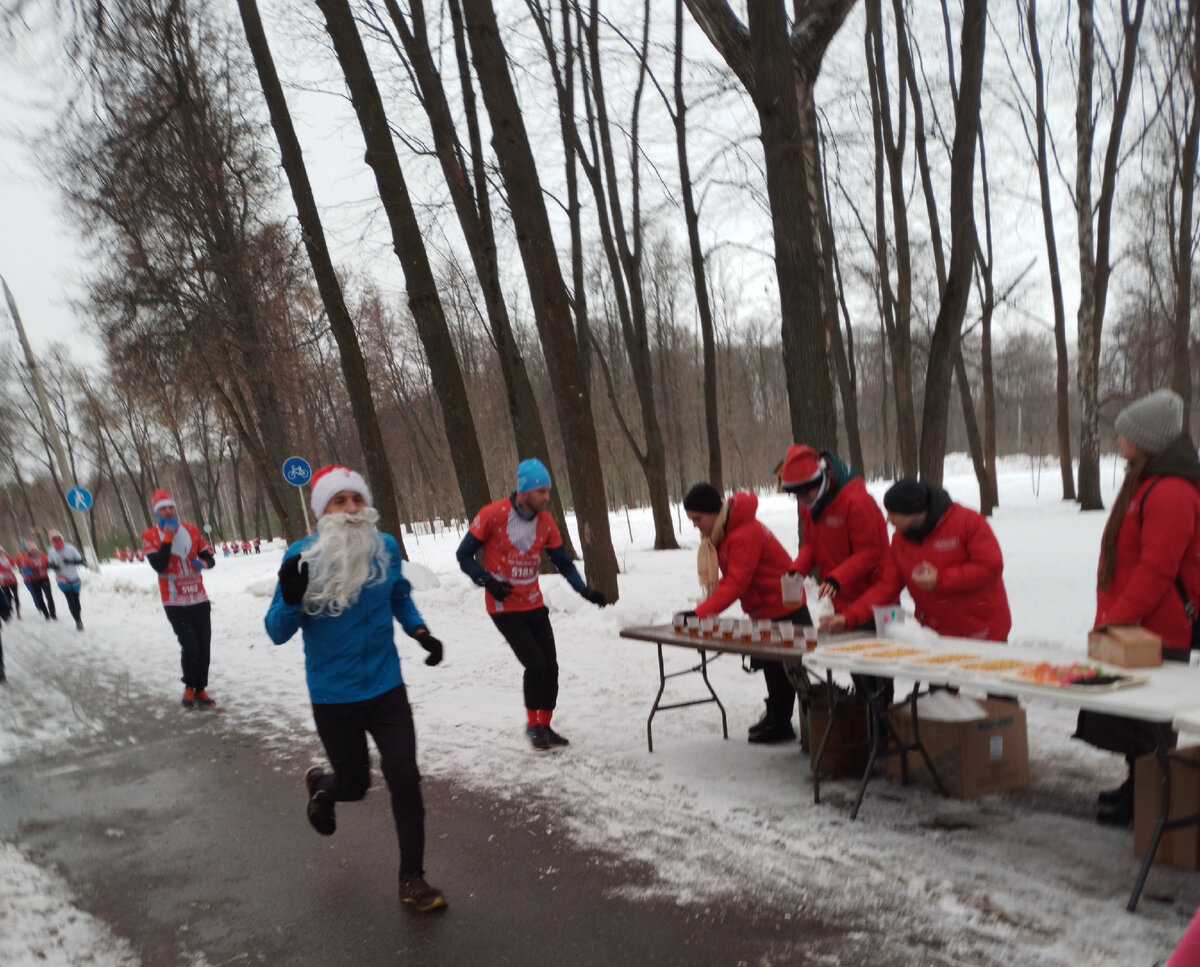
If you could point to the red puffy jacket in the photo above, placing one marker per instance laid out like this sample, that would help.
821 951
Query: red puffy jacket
752 562
847 542
969 600
1159 540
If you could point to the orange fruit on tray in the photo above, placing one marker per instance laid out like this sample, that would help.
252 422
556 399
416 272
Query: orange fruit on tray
855 647
1061 676
951 658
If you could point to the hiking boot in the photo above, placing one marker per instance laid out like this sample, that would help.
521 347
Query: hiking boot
553 737
537 737
763 723
320 803
203 700
189 698
414 890
773 733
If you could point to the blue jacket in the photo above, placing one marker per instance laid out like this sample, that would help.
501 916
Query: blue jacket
351 657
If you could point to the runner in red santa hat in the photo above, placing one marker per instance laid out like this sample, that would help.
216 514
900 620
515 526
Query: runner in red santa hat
179 553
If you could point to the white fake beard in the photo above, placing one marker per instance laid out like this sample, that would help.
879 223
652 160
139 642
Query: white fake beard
347 555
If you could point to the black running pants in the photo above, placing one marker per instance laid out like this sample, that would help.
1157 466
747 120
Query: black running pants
343 728
72 603
43 600
781 693
14 599
531 638
192 624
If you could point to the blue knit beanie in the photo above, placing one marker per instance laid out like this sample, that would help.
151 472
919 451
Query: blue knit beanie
531 474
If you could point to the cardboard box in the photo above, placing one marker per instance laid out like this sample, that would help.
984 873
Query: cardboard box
1126 645
1180 847
972 758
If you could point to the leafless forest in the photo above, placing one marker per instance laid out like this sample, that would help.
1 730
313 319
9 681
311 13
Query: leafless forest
650 243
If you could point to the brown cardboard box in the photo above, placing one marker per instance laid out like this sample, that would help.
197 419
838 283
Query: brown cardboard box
1180 847
972 758
1126 645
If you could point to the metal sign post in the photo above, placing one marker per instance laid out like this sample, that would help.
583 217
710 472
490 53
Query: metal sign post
297 472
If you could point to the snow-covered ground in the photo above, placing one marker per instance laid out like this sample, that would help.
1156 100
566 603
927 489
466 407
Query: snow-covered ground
1027 873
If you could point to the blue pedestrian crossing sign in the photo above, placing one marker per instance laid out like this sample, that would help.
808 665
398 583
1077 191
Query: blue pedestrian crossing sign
296 471
79 499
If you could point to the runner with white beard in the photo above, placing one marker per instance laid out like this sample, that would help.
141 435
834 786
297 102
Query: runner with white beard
341 587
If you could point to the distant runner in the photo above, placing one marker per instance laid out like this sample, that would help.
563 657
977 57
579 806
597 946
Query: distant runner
64 560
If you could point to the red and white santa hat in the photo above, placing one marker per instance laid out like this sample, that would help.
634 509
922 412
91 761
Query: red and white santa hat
160 499
332 480
802 467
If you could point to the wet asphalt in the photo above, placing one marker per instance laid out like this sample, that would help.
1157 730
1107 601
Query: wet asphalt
188 839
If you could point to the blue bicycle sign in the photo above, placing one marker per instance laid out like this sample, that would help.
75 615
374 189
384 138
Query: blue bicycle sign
296 471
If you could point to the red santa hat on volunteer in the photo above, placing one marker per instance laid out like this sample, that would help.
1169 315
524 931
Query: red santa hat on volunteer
332 480
802 467
160 499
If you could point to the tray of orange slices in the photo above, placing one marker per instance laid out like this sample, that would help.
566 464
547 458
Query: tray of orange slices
1077 676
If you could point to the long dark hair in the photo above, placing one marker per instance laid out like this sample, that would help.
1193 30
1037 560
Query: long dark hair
1108 543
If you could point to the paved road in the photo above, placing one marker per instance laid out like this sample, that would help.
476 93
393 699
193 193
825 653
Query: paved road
189 840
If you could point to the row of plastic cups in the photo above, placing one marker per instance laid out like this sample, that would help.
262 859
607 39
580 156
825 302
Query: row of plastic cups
746 630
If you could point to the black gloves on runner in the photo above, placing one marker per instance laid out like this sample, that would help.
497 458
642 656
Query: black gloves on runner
498 589
293 580
595 597
431 645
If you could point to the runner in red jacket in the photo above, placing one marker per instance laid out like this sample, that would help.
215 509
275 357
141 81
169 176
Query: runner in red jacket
741 560
947 557
843 534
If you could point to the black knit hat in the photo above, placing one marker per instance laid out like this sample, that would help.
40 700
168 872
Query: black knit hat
906 496
703 498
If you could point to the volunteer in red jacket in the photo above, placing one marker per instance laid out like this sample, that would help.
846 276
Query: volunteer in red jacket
741 560
947 557
179 553
512 533
8 580
843 534
1149 571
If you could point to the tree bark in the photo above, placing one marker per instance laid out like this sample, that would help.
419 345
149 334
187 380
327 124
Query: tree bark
409 246
947 328
1181 372
358 385
548 293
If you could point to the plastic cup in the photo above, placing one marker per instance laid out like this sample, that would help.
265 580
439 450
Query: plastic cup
693 627
679 623
764 630
792 586
810 637
706 627
746 630
787 633
885 616
728 625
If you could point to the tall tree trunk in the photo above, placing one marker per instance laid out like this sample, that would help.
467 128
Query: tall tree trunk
469 193
691 219
409 246
1094 268
947 328
1062 376
358 385
1181 373
548 293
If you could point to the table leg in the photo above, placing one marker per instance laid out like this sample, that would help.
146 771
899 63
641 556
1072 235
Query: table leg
708 685
831 700
662 684
1164 767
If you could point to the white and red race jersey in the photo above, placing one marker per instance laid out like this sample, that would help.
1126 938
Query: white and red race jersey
8 570
180 583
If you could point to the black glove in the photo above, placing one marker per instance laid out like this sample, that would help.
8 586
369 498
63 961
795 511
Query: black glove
498 589
595 597
431 645
293 580
685 614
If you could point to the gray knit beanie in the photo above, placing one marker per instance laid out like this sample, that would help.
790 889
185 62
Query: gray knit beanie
1152 423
